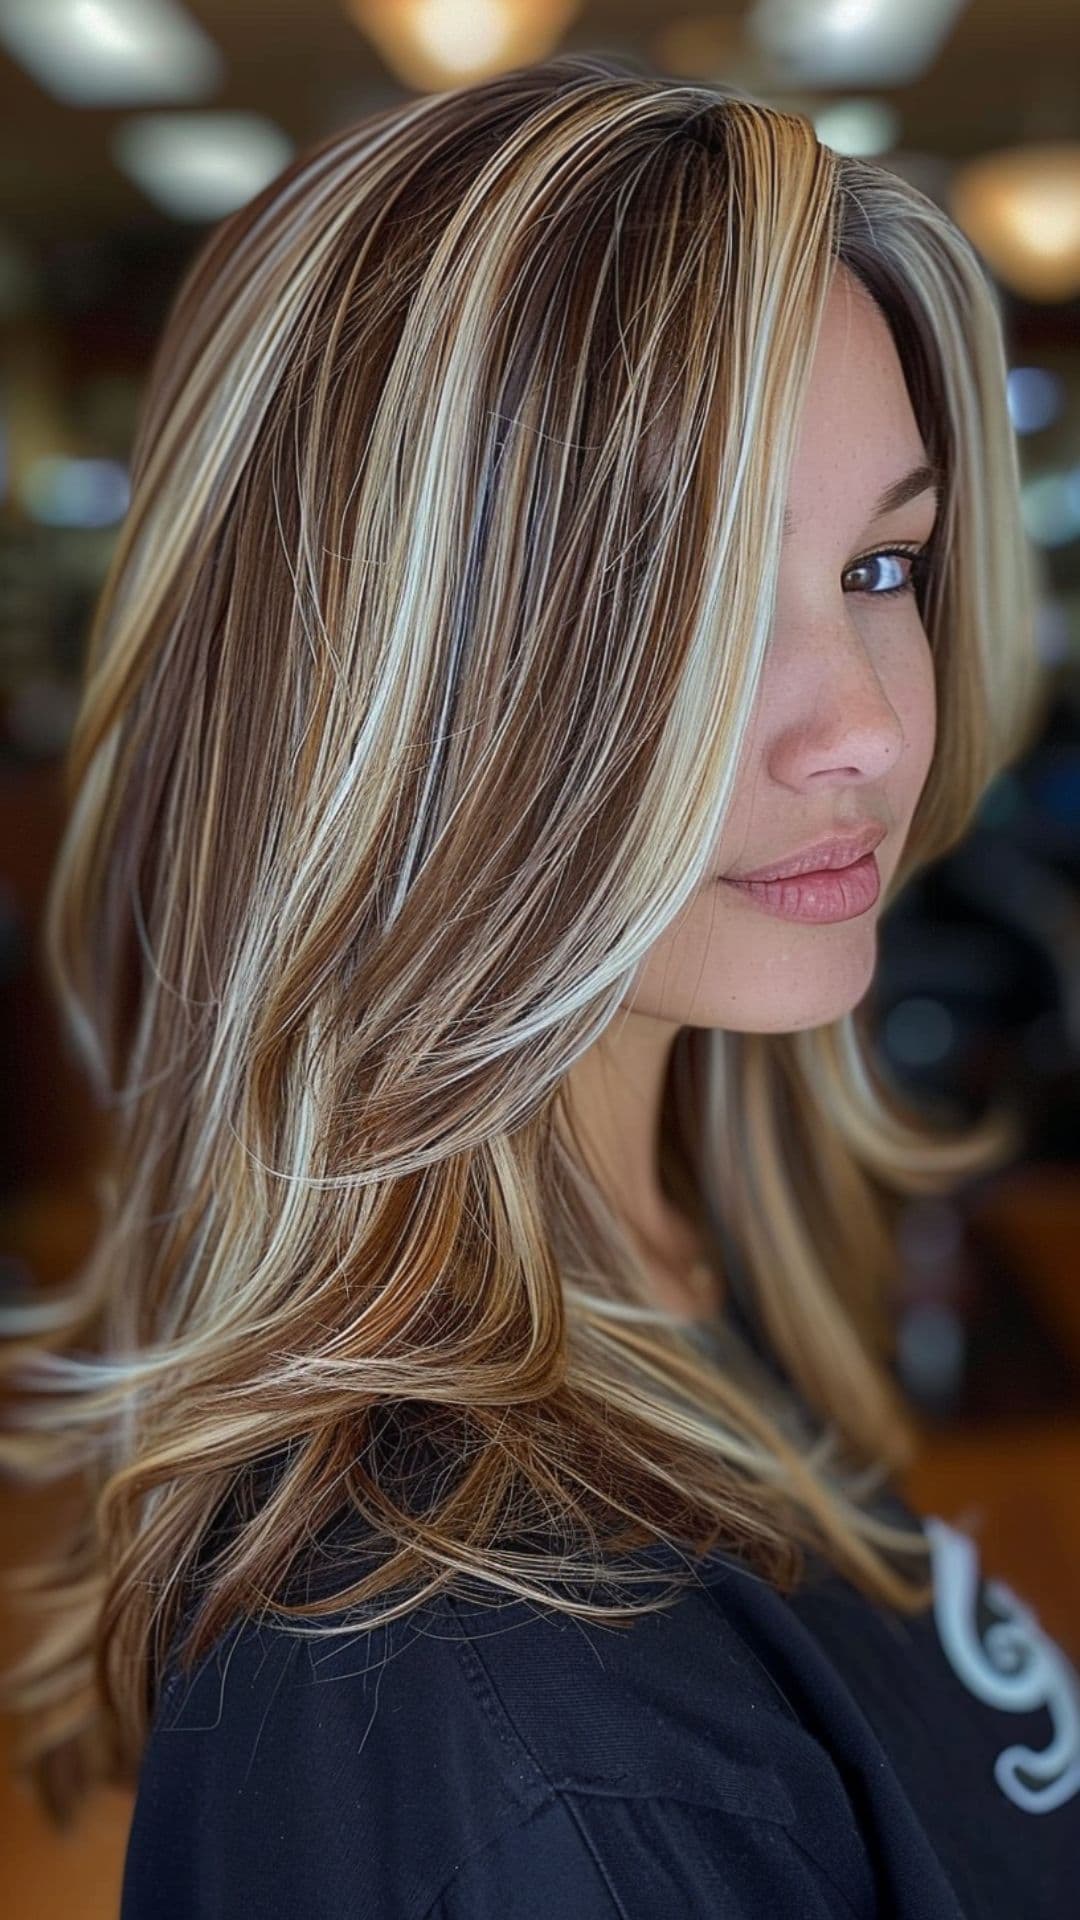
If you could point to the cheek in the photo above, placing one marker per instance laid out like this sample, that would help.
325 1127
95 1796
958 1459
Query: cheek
912 690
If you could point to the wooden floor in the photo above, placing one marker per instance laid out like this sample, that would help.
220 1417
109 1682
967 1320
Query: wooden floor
1019 1479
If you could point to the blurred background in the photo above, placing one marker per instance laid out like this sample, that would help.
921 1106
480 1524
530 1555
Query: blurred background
127 128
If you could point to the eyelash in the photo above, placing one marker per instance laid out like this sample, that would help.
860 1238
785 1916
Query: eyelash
919 558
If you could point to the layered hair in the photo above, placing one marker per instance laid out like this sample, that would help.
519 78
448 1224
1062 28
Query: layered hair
411 709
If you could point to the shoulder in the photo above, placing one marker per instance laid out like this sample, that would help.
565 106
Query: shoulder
612 1858
291 1771
451 1760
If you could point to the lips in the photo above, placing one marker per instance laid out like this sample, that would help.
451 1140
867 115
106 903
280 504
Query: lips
824 856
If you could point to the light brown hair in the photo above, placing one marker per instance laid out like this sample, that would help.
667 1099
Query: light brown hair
411 700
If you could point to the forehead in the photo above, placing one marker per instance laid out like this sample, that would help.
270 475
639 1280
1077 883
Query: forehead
857 430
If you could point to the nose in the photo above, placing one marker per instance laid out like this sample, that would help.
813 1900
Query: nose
838 716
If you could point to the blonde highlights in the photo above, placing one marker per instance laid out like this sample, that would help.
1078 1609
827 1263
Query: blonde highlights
411 710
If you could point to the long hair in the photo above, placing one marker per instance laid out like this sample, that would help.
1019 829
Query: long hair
411 708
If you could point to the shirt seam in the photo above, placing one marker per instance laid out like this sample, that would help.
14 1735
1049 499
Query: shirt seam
820 1867
485 1689
592 1850
481 1680
565 1799
524 1816
492 1705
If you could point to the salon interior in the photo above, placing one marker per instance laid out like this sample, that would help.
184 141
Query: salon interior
128 128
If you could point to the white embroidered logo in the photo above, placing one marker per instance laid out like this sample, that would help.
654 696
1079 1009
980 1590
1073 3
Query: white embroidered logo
1016 1667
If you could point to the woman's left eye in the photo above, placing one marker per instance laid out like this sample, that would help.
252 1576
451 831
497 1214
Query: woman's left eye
888 558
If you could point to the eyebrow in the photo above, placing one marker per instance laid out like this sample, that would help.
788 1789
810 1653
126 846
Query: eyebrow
908 487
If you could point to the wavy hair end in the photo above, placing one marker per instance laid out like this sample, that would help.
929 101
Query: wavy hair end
411 707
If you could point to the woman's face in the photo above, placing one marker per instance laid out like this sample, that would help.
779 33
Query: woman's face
843 730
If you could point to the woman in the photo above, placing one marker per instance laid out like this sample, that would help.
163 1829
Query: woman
554 500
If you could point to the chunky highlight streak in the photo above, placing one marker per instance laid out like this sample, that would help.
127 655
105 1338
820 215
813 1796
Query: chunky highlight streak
411 715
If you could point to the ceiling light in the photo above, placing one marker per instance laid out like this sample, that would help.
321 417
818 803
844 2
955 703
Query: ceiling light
430 44
59 490
840 43
857 126
111 53
200 166
1036 398
1050 504
1021 207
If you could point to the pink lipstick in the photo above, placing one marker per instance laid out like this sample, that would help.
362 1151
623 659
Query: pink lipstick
838 893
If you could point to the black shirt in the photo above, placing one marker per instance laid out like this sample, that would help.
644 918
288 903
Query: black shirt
740 1755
